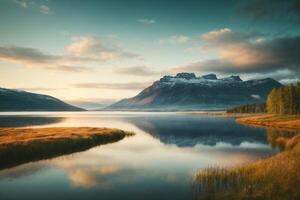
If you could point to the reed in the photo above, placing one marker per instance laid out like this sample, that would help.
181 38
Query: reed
276 178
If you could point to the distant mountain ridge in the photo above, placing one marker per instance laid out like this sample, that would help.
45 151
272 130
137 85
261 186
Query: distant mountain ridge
18 100
185 91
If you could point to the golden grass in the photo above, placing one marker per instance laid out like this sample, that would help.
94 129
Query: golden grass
20 145
275 178
286 122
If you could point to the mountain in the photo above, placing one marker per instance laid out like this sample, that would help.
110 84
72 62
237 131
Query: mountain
185 91
18 100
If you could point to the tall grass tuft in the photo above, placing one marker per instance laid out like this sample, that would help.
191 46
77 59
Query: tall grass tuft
275 178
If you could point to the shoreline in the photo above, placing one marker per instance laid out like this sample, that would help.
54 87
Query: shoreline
220 113
22 145
283 122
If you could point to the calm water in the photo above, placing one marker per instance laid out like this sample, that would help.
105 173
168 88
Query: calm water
157 163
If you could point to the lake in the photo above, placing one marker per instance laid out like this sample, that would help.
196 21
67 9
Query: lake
159 162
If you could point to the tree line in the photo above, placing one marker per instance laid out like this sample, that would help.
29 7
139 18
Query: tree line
284 100
249 108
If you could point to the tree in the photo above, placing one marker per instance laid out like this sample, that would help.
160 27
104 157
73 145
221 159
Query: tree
284 100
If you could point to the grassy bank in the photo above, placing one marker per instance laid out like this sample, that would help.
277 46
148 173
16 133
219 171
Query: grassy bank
220 113
275 178
286 122
21 145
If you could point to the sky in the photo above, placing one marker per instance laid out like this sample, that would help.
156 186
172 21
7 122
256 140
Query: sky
92 53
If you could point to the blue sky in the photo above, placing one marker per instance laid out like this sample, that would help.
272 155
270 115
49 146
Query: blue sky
102 51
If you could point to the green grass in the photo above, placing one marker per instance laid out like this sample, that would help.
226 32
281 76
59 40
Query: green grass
18 146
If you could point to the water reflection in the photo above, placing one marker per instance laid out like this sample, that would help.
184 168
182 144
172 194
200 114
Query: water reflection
185 131
23 121
157 163
276 137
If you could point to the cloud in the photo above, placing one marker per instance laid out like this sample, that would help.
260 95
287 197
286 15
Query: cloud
270 10
146 21
25 55
34 5
114 86
253 51
81 50
44 9
24 3
227 36
137 71
38 89
31 57
97 48
288 81
68 68
175 39
247 52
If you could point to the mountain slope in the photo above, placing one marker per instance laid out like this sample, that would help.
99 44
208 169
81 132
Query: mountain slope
17 100
185 91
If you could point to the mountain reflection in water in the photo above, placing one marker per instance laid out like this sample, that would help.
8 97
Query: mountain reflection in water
188 131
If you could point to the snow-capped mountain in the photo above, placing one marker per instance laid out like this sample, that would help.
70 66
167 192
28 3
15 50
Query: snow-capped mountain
19 100
185 91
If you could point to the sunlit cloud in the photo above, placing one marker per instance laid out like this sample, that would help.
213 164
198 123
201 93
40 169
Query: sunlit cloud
81 50
250 51
246 52
146 21
97 49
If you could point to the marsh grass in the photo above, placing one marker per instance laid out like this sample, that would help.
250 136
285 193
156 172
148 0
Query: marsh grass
274 178
19 146
212 180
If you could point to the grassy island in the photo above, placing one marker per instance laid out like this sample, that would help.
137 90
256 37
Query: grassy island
21 145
